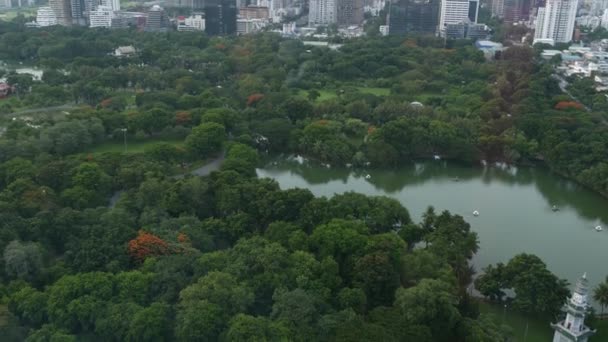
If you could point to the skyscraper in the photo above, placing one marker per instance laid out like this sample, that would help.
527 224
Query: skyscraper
516 10
556 20
350 12
322 12
62 11
101 17
220 17
458 11
156 19
414 16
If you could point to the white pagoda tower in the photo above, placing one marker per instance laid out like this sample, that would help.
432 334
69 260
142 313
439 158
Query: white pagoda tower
573 328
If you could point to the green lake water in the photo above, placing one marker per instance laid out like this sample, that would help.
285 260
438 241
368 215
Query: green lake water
514 205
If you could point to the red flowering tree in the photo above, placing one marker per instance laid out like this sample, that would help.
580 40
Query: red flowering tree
254 98
568 104
146 245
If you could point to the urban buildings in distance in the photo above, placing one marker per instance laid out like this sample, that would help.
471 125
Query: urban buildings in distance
555 21
414 16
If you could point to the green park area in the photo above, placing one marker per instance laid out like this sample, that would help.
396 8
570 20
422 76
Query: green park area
326 94
10 14
132 146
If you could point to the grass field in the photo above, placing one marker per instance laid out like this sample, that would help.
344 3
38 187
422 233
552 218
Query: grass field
326 94
132 146
539 329
10 14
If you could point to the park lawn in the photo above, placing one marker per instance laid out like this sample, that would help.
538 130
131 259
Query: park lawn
10 14
602 331
375 91
132 146
327 94
539 329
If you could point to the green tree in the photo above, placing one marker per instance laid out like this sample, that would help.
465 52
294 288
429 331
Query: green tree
151 324
199 321
600 294
22 260
206 139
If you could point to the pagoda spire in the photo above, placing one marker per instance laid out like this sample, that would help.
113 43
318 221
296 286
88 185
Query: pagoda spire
573 327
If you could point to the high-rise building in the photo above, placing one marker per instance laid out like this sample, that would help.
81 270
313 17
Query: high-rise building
516 10
101 17
254 12
414 16
498 8
573 327
157 20
80 10
220 17
350 12
458 11
467 30
62 11
113 4
322 12
46 17
556 21
195 22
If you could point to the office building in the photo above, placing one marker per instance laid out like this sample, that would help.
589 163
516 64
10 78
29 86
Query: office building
466 30
45 17
220 17
254 12
413 16
62 11
322 12
195 22
113 4
80 10
245 26
101 17
498 8
515 11
556 21
457 11
350 12
156 19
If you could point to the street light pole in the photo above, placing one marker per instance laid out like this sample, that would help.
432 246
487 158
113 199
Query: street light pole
504 313
124 134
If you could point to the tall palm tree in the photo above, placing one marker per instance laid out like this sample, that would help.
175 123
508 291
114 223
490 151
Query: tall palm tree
600 294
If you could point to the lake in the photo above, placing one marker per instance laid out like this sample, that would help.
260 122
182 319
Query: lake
514 204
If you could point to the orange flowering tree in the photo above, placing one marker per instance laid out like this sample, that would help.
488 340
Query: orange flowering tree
568 104
254 98
146 245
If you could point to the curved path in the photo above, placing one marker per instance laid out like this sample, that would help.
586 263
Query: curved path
204 170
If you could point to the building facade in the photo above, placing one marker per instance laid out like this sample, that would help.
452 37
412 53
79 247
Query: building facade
573 327
254 12
556 20
414 16
156 19
458 11
46 17
322 12
220 17
62 11
350 12
101 17
515 11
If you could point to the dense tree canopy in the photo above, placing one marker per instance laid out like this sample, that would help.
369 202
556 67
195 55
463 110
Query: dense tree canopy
128 244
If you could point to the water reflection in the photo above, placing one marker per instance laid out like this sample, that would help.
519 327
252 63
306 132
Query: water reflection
555 189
